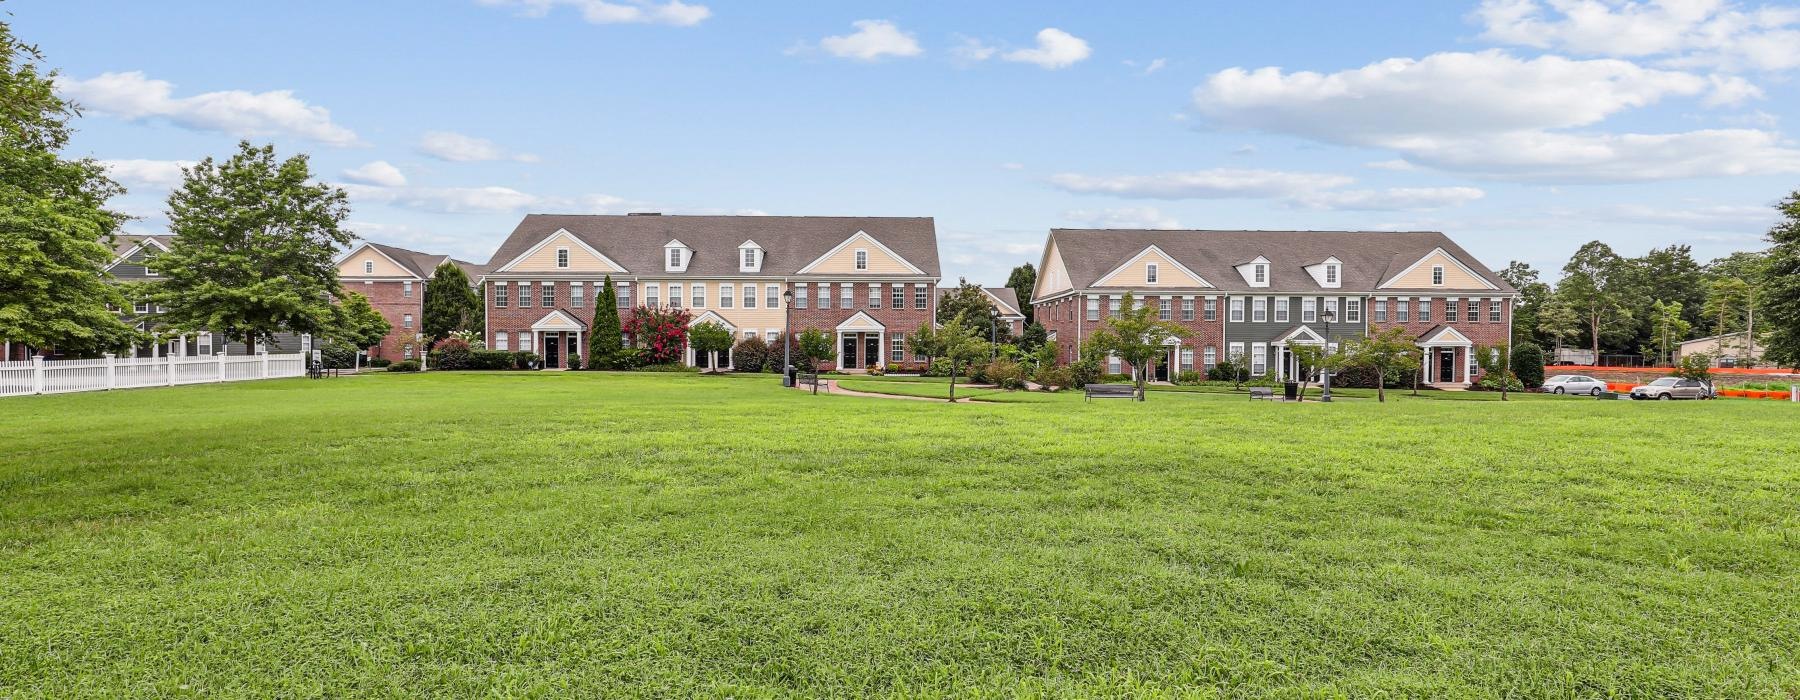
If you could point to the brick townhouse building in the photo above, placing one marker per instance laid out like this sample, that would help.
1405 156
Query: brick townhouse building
868 281
394 280
1254 294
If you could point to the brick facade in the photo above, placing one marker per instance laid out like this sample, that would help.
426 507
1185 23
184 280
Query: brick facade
390 299
1482 332
903 322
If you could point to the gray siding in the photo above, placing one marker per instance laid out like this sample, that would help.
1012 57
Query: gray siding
1249 331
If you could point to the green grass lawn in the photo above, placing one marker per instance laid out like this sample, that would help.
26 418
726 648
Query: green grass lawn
603 535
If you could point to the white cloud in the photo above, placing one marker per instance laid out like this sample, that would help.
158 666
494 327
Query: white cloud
134 97
1397 164
487 200
452 146
1391 199
872 40
1055 49
1681 32
1156 65
1126 217
378 172
151 174
973 51
1496 115
673 12
1217 183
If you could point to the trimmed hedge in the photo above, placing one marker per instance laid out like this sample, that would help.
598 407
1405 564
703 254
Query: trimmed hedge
404 366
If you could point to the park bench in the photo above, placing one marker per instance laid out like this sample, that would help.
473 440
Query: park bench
1262 393
1111 391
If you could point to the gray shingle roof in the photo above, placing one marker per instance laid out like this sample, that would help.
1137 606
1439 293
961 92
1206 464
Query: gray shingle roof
424 264
1369 257
124 242
1007 296
788 242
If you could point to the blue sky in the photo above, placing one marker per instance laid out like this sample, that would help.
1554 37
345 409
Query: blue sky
1522 128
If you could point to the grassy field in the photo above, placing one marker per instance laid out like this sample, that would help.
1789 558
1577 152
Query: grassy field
597 535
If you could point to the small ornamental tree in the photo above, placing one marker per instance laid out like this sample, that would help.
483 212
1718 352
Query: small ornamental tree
955 342
450 304
1696 366
606 343
1390 352
812 347
1309 358
709 339
1138 337
661 333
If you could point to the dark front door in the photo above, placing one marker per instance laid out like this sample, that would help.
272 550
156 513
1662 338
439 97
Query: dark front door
847 356
1447 366
871 348
1162 369
574 344
552 349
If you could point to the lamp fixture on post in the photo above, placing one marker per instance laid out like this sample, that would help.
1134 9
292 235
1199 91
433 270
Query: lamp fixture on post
1325 385
787 333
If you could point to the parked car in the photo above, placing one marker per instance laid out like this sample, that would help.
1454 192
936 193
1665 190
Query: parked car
1574 384
1672 388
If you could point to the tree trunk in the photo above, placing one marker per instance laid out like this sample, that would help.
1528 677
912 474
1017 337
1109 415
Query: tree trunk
952 381
1380 386
1750 331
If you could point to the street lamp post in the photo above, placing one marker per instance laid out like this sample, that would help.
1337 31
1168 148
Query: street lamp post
1325 386
787 335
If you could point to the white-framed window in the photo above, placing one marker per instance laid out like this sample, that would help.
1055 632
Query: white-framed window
1187 359
875 295
406 320
918 296
1353 310
774 298
1187 309
1402 311
500 300
577 294
500 341
1150 273
862 259
1437 275
1450 310
368 267
824 295
1309 310
1113 366
1237 309
549 293
801 294
748 334
1494 310
525 342
674 258
1281 310
1331 308
1163 310
750 296
772 337
1331 274
406 288
406 350
562 258
846 296
1212 309
699 292
1381 311
1259 359
624 295
1093 309
653 295
1474 311
1424 311
204 343
675 295
897 347
1261 273
524 295
1475 362
1235 352
142 307
1259 310
1209 357
898 298
749 262
1112 306
725 296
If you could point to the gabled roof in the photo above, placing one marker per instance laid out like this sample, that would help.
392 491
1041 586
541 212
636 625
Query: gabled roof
788 242
860 321
1300 334
1004 299
558 320
1369 257
125 245
712 317
1443 335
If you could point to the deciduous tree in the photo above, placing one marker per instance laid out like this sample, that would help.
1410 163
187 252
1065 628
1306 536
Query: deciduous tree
1593 286
1781 286
708 340
450 304
955 342
1137 336
1390 352
1022 281
254 245
977 309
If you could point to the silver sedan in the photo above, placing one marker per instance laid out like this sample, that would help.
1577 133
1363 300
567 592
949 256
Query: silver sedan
1577 384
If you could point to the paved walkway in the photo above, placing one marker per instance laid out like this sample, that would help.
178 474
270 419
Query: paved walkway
830 386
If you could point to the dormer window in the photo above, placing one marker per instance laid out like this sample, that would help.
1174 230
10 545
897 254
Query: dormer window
1150 273
1437 275
368 267
1260 273
562 258
1331 274
862 259
676 256
750 257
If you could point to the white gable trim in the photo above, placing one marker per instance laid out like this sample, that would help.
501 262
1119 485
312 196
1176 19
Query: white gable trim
1449 336
1303 335
133 251
1140 256
861 322
557 321
852 239
1005 308
546 241
713 317
1438 251
390 258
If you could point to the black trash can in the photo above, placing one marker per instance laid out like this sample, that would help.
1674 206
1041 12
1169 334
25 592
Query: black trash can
1290 391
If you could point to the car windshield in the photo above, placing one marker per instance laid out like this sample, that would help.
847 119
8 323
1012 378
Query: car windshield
1665 381
1561 378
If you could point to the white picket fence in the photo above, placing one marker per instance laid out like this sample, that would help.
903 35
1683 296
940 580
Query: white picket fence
38 376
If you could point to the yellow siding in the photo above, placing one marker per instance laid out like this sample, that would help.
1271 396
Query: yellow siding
1054 277
353 266
544 260
1454 277
1136 274
844 262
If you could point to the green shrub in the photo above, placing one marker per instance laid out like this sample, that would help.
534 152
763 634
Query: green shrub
1528 365
452 354
751 355
379 362
1189 377
574 362
337 356
490 359
1052 377
1492 382
668 367
404 366
1005 373
524 359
